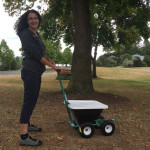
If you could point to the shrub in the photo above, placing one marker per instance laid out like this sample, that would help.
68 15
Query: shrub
144 64
137 62
111 62
125 56
147 59
98 63
127 63
106 61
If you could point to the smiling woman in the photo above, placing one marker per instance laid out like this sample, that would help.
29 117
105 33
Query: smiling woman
33 67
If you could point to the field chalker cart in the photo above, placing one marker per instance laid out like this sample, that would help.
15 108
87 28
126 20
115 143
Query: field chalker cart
87 115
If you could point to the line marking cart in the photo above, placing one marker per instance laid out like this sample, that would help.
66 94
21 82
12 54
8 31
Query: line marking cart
87 115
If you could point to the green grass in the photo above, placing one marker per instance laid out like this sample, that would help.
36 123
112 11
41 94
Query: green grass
132 83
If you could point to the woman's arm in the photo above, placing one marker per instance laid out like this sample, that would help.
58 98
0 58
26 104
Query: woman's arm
45 61
50 60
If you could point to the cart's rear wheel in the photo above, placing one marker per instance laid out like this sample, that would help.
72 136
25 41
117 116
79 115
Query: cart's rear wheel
107 128
86 130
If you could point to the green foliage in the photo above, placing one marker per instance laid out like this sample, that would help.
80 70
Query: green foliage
125 56
107 61
129 36
53 50
111 62
147 59
137 62
127 63
57 21
146 48
120 22
144 64
113 23
16 6
67 56
7 59
98 63
21 50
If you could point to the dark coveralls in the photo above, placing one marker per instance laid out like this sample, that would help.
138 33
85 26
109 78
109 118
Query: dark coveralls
34 49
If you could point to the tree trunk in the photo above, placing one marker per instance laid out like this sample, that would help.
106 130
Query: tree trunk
81 75
94 62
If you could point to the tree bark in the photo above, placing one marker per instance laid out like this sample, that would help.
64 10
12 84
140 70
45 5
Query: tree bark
94 62
81 75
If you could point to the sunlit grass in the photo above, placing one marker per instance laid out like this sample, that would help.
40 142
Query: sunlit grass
133 83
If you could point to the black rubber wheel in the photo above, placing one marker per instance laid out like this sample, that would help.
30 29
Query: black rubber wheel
107 128
86 130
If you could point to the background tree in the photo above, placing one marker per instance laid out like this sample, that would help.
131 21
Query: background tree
147 59
125 56
146 48
67 56
7 58
127 63
137 62
16 63
53 50
0 55
21 51
4 47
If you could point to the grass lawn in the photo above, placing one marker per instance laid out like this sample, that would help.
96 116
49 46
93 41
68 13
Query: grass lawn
133 83
125 90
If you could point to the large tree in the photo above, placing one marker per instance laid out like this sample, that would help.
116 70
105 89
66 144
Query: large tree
81 65
84 23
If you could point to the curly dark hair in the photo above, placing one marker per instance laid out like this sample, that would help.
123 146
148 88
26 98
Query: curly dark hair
21 23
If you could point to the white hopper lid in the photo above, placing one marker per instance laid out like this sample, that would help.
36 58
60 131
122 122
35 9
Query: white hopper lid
86 104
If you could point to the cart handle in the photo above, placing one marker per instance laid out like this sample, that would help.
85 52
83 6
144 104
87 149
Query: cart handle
58 70
65 98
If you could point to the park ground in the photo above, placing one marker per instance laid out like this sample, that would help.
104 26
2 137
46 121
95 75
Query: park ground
126 92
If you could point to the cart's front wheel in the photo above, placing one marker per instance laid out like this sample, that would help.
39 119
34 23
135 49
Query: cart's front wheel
107 128
86 130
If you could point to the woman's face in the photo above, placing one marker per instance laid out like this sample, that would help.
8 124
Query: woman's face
33 21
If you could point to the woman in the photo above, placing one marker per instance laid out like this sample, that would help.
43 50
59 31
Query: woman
33 67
